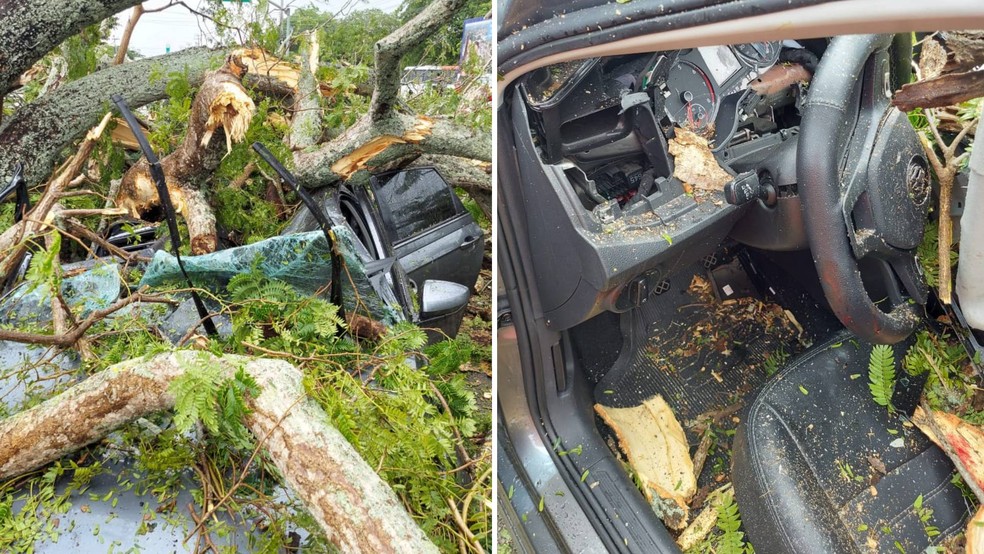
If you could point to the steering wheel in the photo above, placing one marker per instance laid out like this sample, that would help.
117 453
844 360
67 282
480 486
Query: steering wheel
864 187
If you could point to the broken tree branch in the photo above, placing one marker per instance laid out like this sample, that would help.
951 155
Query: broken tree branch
12 243
131 24
70 337
220 115
393 142
390 50
305 126
940 92
356 509
37 133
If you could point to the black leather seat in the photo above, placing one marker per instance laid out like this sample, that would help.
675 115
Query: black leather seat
806 453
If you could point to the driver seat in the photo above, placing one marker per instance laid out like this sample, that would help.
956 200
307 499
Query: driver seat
808 461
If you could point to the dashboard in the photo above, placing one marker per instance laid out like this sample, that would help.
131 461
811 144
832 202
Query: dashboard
699 89
600 140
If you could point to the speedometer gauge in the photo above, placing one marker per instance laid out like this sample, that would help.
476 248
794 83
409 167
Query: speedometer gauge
691 100
758 54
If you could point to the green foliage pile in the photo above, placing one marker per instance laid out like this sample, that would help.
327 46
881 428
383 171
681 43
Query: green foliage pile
409 422
950 378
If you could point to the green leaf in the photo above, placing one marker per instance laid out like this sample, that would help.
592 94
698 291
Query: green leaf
803 390
881 375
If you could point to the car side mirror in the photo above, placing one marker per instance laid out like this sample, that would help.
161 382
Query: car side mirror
440 298
442 306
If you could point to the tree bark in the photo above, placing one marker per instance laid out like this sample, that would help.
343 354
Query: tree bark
390 50
940 92
305 126
395 140
131 24
356 509
32 29
220 115
38 132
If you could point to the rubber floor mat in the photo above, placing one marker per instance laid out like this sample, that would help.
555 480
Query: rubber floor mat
703 355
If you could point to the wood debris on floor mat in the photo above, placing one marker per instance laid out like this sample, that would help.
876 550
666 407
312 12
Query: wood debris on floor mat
654 443
703 524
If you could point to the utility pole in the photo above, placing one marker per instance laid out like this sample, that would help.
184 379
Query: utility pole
285 27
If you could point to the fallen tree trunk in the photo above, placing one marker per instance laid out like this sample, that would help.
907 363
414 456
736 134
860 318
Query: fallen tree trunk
32 29
356 509
37 133
220 115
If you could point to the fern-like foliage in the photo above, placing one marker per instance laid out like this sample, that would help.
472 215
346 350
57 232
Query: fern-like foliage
271 314
943 360
732 539
43 269
204 393
881 375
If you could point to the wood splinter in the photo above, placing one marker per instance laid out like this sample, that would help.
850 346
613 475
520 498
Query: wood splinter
220 116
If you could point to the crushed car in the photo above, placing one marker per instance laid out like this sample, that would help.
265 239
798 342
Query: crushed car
402 249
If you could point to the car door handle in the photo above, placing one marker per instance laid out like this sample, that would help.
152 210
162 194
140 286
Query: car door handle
468 242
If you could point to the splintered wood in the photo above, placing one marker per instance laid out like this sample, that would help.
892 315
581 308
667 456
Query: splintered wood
975 533
705 522
261 62
231 110
694 164
221 104
657 449
963 442
363 155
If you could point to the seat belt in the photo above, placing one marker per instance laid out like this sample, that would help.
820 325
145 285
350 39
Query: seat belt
157 175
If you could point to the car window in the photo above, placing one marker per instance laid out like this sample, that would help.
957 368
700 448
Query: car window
413 201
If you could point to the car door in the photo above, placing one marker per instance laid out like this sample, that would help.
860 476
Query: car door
431 232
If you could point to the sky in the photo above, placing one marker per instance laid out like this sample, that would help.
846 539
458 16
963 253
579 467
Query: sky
177 28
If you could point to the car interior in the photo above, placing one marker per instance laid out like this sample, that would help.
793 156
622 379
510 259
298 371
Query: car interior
734 228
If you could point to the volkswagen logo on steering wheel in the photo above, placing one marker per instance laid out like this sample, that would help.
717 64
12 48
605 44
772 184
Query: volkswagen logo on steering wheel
917 181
